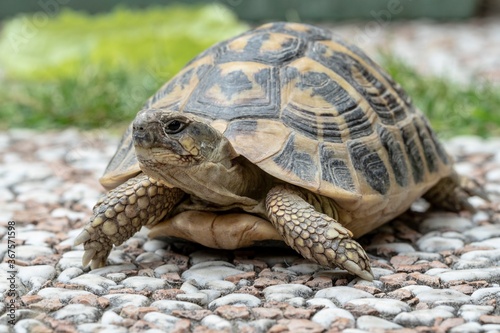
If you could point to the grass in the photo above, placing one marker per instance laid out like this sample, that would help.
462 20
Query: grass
98 71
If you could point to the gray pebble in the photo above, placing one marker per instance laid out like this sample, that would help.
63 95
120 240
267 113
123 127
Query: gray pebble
69 214
224 287
111 318
492 242
372 323
235 299
206 255
467 328
35 237
77 314
489 274
196 298
63 294
153 244
70 259
118 257
216 323
305 268
297 302
30 252
30 325
143 283
438 244
471 264
398 248
104 271
96 328
164 269
422 317
385 306
484 294
257 326
445 222
483 232
68 274
95 283
294 290
188 288
325 317
378 272
443 297
34 277
341 295
204 272
148 257
211 294
326 303
490 255
119 301
491 328
163 321
279 297
167 306
424 255
471 312
116 277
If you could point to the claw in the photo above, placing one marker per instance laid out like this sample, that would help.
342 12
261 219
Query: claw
355 269
98 263
88 256
82 238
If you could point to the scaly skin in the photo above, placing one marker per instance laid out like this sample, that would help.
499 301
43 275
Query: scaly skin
141 201
316 236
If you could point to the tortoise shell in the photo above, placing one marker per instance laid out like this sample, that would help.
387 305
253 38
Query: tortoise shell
309 109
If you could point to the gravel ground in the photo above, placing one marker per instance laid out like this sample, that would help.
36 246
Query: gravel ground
434 271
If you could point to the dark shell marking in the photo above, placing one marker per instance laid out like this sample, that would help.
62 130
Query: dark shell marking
361 125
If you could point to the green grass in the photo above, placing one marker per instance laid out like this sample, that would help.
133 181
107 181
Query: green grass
453 109
97 71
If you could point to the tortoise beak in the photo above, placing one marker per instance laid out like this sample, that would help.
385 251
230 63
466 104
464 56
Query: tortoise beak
143 129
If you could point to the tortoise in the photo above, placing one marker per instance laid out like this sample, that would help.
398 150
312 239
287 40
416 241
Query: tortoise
285 132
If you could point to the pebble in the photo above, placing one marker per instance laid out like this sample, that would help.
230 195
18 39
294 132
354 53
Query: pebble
295 290
110 318
204 272
325 317
30 325
106 270
68 274
467 328
35 237
305 268
425 317
438 244
471 312
64 295
224 287
482 295
143 283
235 299
445 223
443 297
216 323
387 308
70 259
95 283
93 328
258 326
207 255
77 314
163 321
167 306
30 252
148 257
490 274
33 277
164 269
323 302
483 232
341 295
371 323
119 301
199 298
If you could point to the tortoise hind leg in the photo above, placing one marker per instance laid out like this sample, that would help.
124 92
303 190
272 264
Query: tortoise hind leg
452 193
316 236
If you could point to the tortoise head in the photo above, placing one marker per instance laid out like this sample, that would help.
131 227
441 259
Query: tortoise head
169 138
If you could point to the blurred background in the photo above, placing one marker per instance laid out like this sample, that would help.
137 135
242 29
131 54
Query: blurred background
92 64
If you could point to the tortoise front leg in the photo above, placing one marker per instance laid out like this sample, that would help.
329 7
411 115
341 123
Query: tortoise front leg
141 201
316 236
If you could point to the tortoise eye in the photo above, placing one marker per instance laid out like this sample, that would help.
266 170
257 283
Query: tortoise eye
174 126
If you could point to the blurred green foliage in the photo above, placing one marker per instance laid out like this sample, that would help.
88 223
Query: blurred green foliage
94 71
452 108
97 71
